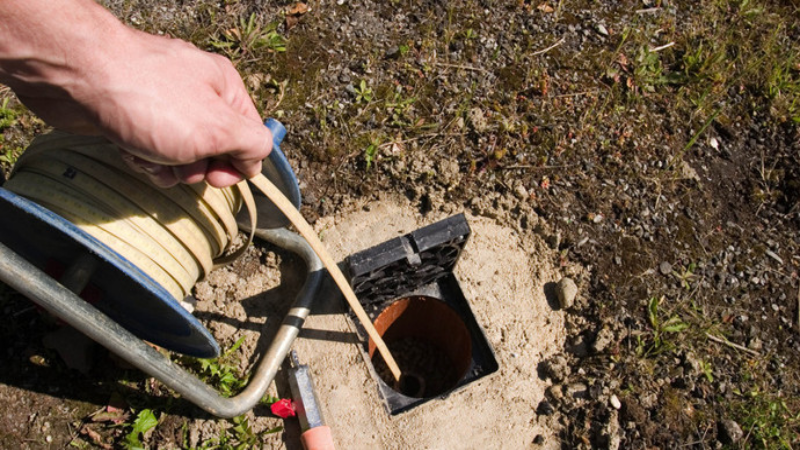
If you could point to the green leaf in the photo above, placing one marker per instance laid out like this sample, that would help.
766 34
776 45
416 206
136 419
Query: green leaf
234 347
370 154
652 311
274 430
145 420
674 325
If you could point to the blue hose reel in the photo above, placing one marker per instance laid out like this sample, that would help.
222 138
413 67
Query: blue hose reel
116 287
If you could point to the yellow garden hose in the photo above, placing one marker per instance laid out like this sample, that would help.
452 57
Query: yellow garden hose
176 235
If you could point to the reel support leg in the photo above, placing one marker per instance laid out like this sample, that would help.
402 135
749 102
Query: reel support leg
31 282
78 274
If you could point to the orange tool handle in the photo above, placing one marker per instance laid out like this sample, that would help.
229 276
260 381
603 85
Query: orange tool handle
318 438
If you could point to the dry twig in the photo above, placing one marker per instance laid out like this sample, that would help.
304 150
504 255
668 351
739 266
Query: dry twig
648 10
724 341
661 47
545 50
459 66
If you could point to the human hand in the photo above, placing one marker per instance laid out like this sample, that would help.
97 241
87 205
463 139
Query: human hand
180 114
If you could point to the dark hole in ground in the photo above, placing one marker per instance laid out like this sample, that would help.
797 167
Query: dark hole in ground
429 342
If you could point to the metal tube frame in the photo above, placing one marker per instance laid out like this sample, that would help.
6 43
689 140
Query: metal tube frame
54 297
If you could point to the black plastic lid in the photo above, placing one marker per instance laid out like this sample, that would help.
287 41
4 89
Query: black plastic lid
403 264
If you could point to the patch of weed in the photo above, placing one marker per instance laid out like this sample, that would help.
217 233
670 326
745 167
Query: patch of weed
145 421
240 436
249 37
370 153
686 275
400 110
221 372
8 116
363 92
662 331
768 421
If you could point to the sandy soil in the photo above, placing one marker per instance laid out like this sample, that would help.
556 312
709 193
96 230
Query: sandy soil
664 182
503 276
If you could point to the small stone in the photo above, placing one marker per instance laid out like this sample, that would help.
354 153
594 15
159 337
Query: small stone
566 290
730 432
556 368
545 408
774 256
478 120
578 390
601 29
521 192
555 393
393 52
648 401
665 268
603 339
615 403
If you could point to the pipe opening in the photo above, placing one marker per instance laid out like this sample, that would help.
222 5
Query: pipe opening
429 341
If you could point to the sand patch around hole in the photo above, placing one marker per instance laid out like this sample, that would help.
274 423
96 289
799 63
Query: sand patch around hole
502 274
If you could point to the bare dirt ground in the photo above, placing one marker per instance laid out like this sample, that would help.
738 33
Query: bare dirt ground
648 150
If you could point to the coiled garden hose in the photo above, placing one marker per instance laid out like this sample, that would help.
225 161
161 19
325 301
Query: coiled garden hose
175 235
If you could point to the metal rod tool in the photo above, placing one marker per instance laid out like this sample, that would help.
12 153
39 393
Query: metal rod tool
315 434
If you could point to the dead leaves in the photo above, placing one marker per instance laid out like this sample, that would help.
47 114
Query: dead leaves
96 438
294 13
545 8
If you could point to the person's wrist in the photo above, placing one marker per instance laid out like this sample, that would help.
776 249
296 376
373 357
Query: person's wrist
88 67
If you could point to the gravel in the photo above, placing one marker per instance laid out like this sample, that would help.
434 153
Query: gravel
566 290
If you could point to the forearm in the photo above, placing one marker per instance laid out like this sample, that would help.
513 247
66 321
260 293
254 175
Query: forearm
47 46
184 113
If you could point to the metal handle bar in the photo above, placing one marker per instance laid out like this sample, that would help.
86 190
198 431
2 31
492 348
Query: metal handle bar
39 287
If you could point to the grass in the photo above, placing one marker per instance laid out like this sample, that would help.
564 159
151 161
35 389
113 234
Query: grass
662 331
249 38
239 436
768 421
222 372
9 118
363 92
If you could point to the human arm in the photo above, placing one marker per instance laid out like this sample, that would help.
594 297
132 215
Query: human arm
182 114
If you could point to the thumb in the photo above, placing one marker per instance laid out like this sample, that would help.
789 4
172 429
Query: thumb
248 143
253 143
